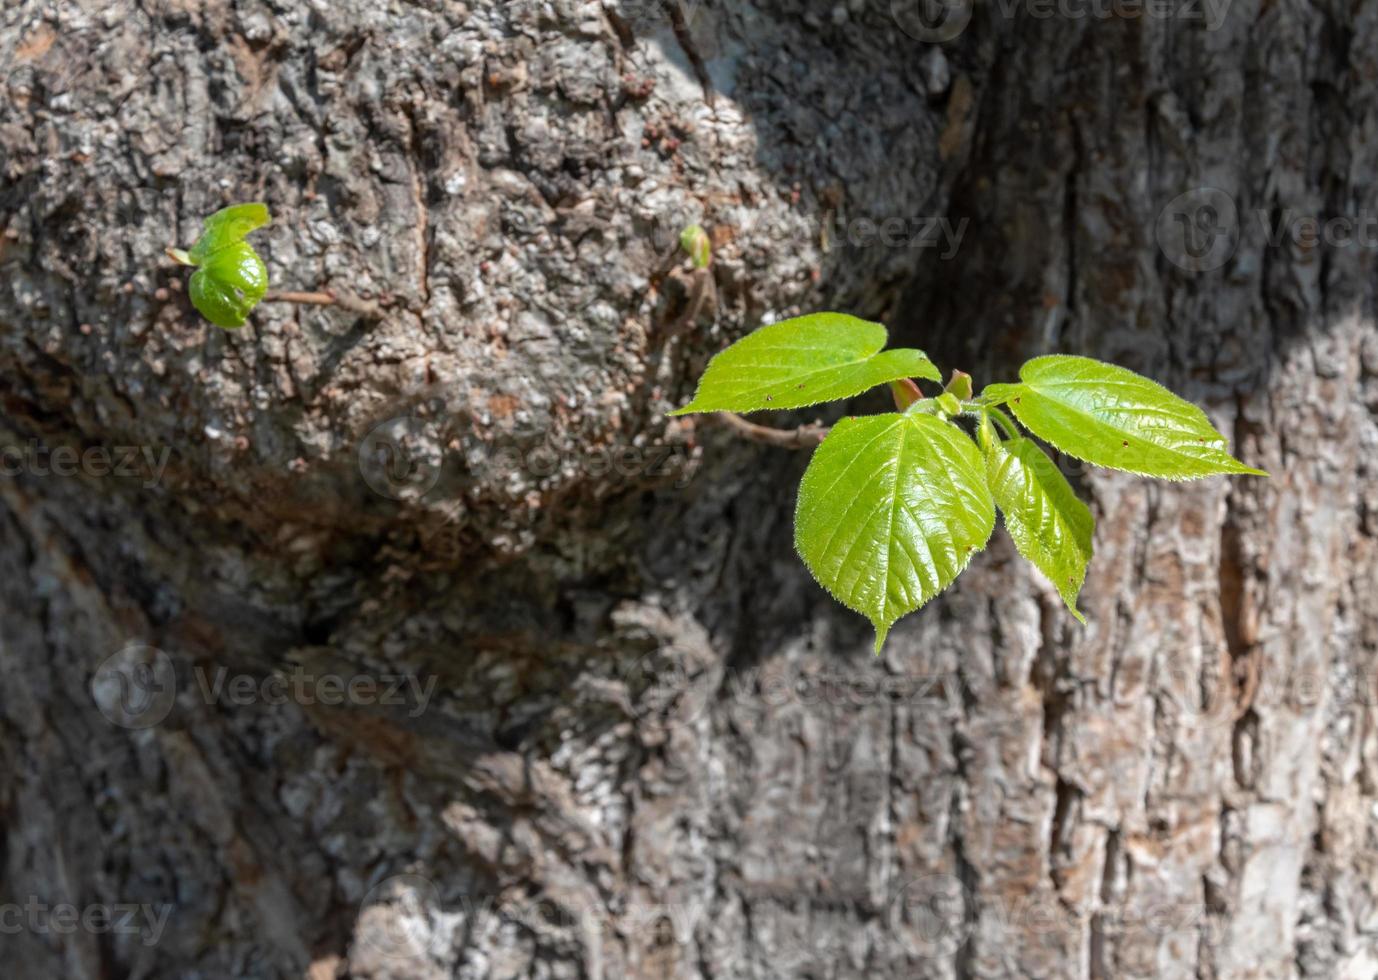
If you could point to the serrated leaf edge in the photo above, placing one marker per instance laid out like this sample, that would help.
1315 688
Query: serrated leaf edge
1012 400
1005 519
882 627
928 371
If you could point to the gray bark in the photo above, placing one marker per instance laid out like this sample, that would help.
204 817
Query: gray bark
641 742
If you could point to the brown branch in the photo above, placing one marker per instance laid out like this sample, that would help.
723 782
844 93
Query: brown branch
804 437
328 297
702 292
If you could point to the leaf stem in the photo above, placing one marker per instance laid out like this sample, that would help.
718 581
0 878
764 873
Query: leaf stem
702 292
1004 421
328 297
804 437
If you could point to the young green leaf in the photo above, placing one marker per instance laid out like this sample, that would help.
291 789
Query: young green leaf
227 226
1112 417
891 509
229 284
697 245
231 278
959 386
905 392
1049 525
804 361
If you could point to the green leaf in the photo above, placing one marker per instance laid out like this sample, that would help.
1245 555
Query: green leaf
905 392
229 284
998 394
697 245
804 361
891 509
959 386
1112 417
226 227
1049 525
232 278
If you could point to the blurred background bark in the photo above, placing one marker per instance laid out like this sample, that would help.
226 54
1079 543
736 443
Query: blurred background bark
631 737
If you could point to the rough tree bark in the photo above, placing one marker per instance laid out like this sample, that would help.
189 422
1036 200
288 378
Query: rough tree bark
653 747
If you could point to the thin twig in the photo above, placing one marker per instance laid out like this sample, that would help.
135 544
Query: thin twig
701 291
804 437
308 299
328 297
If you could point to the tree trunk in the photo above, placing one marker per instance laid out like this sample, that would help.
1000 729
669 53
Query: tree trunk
617 731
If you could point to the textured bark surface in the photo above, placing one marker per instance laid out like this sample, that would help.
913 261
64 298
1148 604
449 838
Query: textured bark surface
640 741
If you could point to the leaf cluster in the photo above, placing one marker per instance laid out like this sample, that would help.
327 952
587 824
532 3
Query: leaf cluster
892 507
